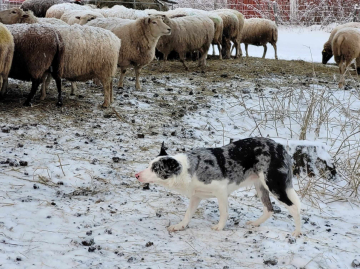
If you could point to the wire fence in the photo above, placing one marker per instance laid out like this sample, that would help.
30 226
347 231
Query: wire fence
6 4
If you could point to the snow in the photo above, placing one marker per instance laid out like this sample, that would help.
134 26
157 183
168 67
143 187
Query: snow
73 191
295 43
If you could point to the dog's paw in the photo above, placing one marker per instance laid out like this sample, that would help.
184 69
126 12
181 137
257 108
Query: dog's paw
218 227
296 233
253 223
177 227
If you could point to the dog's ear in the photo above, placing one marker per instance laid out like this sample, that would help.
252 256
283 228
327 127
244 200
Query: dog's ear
162 151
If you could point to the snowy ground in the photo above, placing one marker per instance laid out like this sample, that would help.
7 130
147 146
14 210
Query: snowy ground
73 190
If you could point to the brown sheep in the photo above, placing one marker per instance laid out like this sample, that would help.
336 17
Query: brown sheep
259 32
138 41
39 50
39 7
327 51
230 31
346 47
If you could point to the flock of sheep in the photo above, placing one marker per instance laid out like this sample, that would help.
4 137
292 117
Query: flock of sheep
81 42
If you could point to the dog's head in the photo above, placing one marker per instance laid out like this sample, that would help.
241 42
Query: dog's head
160 170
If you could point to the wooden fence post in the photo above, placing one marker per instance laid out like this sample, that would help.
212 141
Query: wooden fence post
275 12
356 9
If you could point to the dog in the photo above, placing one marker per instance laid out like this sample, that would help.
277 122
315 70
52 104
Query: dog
217 172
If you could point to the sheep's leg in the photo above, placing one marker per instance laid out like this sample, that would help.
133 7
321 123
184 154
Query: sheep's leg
4 87
182 59
45 86
73 88
58 86
246 49
122 75
236 45
241 54
265 50
137 75
275 49
111 91
219 48
342 67
1 82
202 59
34 87
107 93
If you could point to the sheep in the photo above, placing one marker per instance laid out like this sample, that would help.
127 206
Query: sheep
39 7
230 32
80 16
56 11
39 50
84 61
259 32
217 20
17 15
345 48
241 19
327 51
6 54
138 38
188 34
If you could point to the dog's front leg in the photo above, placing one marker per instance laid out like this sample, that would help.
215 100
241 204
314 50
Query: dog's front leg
194 203
222 197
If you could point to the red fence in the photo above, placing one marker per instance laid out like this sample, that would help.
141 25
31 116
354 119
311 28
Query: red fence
299 11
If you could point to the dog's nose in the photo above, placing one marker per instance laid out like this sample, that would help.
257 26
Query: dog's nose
137 176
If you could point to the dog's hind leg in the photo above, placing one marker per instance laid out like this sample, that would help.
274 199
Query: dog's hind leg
263 194
194 203
222 197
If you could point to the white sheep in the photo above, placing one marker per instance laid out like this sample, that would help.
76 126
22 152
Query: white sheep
56 11
230 31
39 7
217 20
346 47
17 15
138 41
259 32
327 51
80 16
6 55
122 12
188 34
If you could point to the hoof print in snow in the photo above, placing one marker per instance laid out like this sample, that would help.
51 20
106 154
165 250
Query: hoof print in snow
271 261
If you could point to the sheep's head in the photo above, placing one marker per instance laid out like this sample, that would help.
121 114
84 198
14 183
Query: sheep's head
13 15
326 54
86 18
157 25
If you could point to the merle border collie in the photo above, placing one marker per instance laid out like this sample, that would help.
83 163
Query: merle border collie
217 172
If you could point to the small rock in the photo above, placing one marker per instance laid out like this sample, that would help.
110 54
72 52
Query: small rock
12 162
116 159
131 259
88 242
149 244
49 146
60 183
88 233
35 187
92 249
23 163
146 186
18 259
20 145
271 261
108 231
224 75
5 130
94 161
141 136
355 263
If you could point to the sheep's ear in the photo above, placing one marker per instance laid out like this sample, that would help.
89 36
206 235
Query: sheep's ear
77 17
162 150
